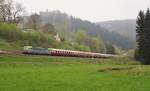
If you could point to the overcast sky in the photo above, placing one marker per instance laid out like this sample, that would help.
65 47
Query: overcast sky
93 10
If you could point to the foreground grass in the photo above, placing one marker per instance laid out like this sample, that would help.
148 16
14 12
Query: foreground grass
22 73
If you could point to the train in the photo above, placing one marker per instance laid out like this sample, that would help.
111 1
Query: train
29 50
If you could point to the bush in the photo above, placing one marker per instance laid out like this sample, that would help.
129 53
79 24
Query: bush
11 33
82 47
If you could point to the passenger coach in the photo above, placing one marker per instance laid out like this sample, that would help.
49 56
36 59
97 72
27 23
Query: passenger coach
29 50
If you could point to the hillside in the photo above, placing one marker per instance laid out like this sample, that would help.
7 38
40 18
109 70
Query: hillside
73 34
66 23
12 38
123 27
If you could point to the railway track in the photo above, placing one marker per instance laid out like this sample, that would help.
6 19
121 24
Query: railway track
11 53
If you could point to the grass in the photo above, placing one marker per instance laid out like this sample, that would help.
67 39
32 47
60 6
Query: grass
7 46
27 73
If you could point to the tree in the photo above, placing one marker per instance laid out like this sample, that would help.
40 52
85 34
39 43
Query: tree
94 43
49 28
140 38
110 49
3 10
33 21
10 12
143 38
17 11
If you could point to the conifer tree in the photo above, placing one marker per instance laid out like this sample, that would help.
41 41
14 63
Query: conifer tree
143 37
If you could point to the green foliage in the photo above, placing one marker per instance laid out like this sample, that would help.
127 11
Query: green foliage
66 46
81 47
130 53
94 43
13 34
9 31
98 45
110 49
143 38
113 49
118 50
76 47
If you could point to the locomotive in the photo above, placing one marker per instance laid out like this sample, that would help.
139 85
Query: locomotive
29 50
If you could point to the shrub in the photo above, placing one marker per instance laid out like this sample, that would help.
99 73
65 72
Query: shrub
11 33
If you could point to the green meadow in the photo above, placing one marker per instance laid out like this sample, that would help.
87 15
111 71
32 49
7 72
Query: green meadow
41 73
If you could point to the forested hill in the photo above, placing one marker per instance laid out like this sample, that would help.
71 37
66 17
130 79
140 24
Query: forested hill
123 27
64 22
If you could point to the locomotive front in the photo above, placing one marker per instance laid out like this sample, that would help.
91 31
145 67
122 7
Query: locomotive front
36 50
